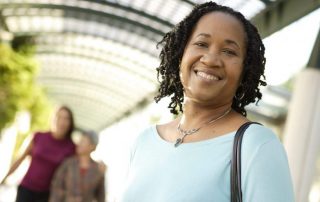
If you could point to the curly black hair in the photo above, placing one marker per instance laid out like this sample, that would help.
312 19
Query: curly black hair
174 43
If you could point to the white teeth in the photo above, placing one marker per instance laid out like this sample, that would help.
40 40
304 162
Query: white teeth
207 76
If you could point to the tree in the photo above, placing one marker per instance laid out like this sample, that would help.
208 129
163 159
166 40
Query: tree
18 88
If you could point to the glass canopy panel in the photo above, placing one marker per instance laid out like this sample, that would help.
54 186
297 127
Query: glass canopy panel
102 50
47 24
85 109
87 69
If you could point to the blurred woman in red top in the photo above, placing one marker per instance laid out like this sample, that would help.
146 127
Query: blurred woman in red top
47 150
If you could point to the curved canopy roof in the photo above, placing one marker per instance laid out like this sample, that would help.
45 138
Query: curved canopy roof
99 57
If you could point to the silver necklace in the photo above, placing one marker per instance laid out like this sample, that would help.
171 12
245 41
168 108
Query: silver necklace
184 133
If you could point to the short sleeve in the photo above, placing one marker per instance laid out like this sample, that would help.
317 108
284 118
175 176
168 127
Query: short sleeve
267 177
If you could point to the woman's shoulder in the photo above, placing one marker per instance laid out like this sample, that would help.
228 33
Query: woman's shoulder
158 129
41 135
260 143
70 161
147 130
259 132
149 134
257 136
144 134
68 165
99 166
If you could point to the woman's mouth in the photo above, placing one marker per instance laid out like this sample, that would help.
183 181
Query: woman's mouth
207 76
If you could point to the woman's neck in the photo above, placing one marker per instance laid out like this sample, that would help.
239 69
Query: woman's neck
57 135
195 115
84 160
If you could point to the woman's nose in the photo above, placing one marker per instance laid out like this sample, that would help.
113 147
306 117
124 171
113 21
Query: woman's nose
211 59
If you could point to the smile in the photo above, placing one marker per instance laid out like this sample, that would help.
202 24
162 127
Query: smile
207 76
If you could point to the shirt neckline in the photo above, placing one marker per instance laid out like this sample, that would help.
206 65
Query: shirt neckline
222 138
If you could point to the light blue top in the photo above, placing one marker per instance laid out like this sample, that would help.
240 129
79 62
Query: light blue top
200 171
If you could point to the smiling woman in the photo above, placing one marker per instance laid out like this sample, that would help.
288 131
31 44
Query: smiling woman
212 61
212 64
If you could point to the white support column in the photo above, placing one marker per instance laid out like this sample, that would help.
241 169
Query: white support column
302 131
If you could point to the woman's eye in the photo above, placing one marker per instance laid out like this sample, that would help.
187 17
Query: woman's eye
201 44
229 52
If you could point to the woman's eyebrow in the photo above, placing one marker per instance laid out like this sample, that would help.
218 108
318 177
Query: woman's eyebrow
232 42
204 35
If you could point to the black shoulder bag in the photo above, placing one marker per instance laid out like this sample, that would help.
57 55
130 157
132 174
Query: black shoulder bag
235 178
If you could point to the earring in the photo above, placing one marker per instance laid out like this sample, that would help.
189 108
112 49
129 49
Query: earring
239 98
240 93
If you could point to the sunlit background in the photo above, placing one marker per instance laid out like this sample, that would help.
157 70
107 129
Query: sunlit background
99 58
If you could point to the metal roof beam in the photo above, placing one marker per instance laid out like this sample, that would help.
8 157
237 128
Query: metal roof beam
83 13
282 13
314 60
130 9
145 50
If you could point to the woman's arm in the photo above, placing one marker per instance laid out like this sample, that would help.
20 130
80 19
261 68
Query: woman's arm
267 177
18 162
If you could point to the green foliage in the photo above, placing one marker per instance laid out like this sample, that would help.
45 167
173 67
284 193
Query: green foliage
40 111
289 84
18 89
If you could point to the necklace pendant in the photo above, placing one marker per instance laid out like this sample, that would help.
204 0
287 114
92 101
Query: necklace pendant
178 142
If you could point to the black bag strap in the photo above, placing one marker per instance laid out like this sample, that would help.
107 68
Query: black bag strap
235 178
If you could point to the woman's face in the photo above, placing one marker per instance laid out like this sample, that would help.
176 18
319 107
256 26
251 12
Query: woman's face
62 122
84 146
212 61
